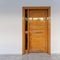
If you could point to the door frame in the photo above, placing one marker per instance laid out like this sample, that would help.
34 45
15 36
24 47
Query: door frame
23 26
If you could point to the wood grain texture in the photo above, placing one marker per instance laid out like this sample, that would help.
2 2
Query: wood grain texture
38 30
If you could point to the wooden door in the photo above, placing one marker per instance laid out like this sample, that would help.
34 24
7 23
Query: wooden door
38 30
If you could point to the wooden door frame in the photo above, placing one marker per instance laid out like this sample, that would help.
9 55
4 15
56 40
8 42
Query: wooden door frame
49 26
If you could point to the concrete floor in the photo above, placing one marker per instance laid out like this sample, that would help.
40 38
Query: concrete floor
40 56
31 56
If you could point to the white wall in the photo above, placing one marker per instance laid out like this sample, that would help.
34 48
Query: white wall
11 24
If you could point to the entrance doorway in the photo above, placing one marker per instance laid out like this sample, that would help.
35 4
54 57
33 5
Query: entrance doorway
36 29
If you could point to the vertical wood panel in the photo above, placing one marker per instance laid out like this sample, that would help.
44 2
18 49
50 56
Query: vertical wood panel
38 41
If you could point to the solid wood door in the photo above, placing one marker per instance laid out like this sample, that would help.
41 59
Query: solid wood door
38 30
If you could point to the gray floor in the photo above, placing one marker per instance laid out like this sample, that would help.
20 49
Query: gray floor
31 56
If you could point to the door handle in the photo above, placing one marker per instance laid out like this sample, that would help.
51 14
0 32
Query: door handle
36 32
